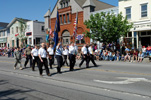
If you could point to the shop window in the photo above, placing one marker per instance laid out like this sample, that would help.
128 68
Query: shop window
144 10
128 12
149 33
143 33
130 34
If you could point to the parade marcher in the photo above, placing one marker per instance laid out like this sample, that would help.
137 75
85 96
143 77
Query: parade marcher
50 50
59 58
72 56
65 54
18 58
43 60
28 56
84 52
34 54
92 55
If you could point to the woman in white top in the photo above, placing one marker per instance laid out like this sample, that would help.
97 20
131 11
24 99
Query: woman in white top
65 54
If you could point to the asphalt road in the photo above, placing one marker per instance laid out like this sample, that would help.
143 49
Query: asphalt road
109 81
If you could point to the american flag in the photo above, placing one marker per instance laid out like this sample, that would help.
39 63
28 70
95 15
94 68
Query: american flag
50 31
75 26
80 37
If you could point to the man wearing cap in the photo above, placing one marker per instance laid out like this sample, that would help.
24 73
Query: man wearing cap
28 56
50 50
34 54
43 60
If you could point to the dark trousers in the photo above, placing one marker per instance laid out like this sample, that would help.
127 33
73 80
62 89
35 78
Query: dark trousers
45 63
59 62
36 60
91 58
51 61
65 60
28 57
86 58
18 61
72 61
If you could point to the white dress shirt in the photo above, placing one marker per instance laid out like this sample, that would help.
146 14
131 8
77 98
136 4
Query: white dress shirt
51 51
72 50
42 52
90 50
59 51
65 52
84 50
34 52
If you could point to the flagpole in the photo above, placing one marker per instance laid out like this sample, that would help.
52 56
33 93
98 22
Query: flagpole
77 27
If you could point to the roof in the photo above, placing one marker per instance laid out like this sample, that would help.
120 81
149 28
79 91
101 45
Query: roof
4 25
47 14
15 19
88 3
99 5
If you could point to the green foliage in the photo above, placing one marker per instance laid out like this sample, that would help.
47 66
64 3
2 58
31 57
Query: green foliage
107 27
22 30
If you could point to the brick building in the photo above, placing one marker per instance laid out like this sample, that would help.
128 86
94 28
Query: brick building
67 12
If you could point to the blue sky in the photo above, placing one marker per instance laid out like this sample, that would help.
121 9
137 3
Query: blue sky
29 9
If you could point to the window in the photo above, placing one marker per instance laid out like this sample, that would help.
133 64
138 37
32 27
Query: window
28 27
3 33
12 31
128 12
144 10
64 5
68 18
61 5
67 4
16 29
64 17
61 19
42 28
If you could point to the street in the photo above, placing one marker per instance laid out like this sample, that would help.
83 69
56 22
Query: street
108 81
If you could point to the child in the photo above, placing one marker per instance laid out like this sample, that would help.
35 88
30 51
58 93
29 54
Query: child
122 58
17 55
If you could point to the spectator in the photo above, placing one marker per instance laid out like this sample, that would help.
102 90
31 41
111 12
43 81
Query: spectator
144 51
110 56
140 56
123 57
135 55
127 56
118 57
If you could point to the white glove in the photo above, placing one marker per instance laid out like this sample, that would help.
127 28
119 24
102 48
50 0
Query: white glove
33 58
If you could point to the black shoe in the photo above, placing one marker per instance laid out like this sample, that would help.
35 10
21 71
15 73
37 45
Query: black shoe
59 72
96 65
87 67
71 69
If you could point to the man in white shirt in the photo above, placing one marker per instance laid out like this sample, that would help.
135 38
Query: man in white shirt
65 54
43 59
59 58
84 52
72 56
50 50
34 54
90 49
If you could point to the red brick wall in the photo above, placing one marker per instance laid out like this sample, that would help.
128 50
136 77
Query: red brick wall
69 26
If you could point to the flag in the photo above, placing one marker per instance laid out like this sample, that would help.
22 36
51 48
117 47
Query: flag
50 31
57 29
79 37
16 35
75 26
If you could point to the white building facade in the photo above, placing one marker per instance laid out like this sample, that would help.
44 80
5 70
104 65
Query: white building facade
139 13
35 32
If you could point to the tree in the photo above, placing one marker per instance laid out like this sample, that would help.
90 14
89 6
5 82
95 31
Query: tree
107 27
22 30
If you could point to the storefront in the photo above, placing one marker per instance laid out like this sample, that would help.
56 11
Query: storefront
3 42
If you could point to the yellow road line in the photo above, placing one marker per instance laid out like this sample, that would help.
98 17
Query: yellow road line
102 70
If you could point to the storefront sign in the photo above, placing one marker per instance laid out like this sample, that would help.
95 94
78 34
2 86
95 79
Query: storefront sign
3 40
142 26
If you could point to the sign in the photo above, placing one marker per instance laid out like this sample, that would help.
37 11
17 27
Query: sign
3 40
29 34
141 26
